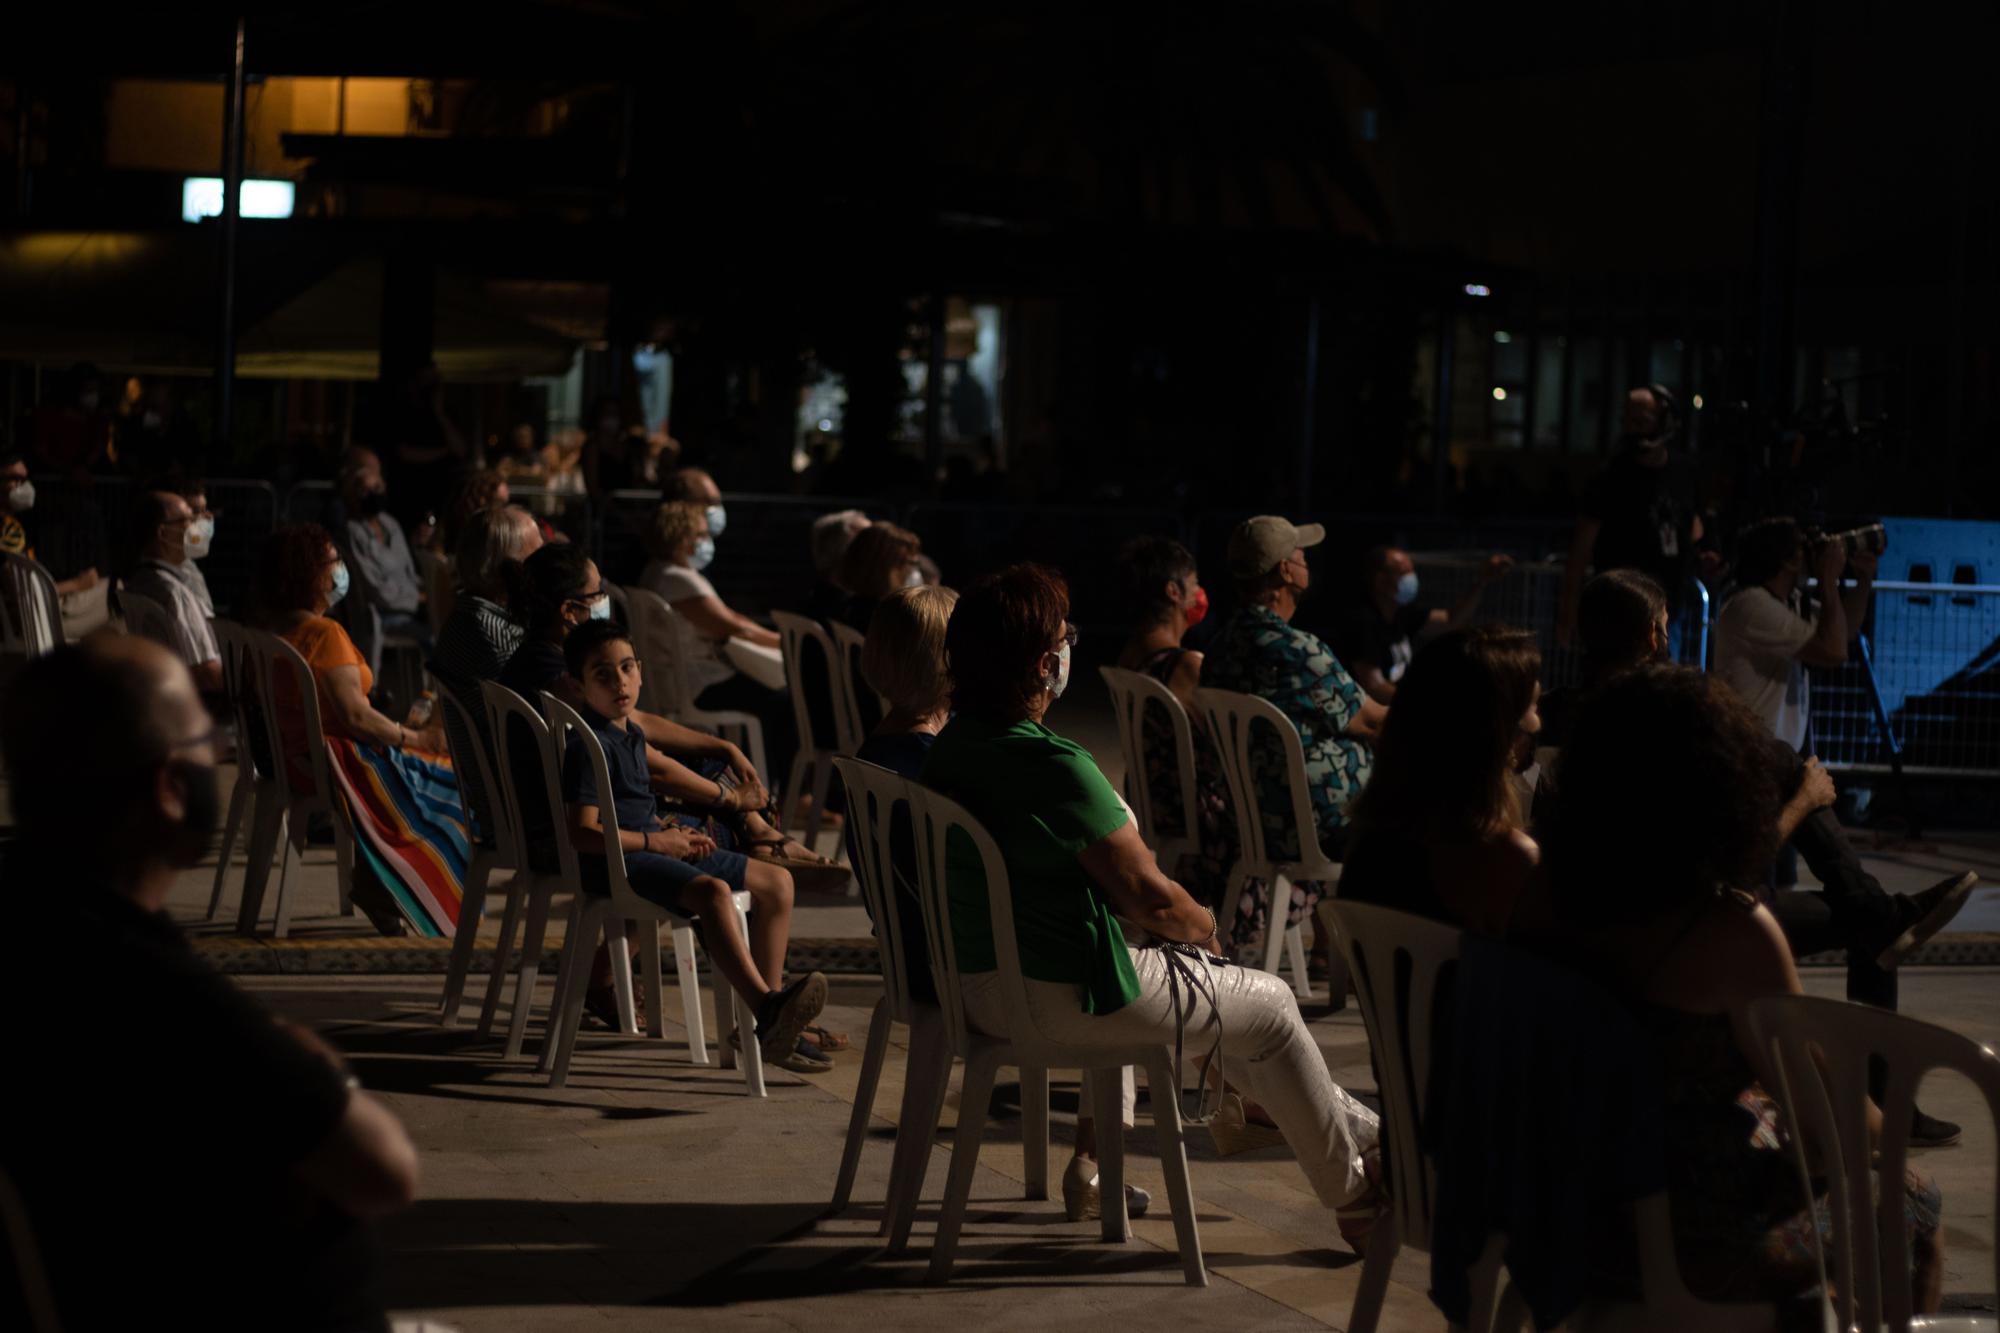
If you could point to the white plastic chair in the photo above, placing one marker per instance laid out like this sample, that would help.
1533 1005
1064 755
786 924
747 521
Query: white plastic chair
1232 721
664 687
1132 693
1397 960
798 635
935 821
498 851
1825 1101
30 611
24 1251
256 793
850 641
592 916
146 617
873 796
276 660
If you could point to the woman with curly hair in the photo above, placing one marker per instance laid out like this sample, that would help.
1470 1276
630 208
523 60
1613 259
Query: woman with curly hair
1668 815
397 778
880 561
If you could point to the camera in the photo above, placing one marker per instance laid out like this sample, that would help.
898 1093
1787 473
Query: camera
1872 538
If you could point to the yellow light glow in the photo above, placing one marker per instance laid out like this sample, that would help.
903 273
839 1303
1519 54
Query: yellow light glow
1499 394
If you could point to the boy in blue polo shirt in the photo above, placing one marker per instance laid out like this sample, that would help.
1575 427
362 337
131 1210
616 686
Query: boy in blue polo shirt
677 868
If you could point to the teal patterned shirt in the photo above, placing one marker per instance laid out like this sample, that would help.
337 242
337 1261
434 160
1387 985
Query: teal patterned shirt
1260 653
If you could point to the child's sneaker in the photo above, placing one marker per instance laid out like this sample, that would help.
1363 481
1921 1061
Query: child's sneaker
783 1015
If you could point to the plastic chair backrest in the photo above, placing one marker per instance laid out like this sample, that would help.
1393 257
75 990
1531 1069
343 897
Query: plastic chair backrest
492 818
277 660
565 722
849 641
146 617
1232 719
937 820
30 611
1825 1098
798 635
1132 693
1397 961
245 688
504 707
873 793
661 638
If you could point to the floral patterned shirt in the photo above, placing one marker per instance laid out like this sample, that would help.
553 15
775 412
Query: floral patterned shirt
1260 653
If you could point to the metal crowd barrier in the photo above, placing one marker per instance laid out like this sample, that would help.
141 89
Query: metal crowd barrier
1935 650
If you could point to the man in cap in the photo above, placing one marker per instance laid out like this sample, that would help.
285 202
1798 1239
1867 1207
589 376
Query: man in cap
1259 651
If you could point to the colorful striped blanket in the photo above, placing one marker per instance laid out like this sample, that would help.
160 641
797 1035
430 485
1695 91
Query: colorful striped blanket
409 829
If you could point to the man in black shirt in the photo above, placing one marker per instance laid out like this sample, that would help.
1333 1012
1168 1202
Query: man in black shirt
1382 628
183 1157
1640 512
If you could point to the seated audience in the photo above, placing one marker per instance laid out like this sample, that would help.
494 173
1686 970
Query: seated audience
680 869
201 540
475 492
1260 652
881 559
374 540
692 485
832 534
1385 625
397 777
1438 830
65 534
210 1126
1622 625
1161 583
1076 866
17 497
1668 816
478 637
163 538
682 547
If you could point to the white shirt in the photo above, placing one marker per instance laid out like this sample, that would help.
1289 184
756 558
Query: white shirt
707 664
1757 642
193 638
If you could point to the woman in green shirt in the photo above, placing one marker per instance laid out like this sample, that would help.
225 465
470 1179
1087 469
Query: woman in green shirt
1077 869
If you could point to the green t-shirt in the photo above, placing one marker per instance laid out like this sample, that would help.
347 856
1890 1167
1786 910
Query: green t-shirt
1043 800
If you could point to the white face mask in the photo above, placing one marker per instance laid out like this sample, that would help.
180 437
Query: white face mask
22 498
200 534
1061 681
703 555
601 609
718 519
341 583
1406 588
914 579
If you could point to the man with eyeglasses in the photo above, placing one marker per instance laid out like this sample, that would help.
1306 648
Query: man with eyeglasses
166 534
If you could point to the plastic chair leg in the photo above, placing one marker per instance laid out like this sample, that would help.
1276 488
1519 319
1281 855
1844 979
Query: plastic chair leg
1174 1166
697 1034
974 1099
239 797
539 893
565 971
1274 922
620 950
282 926
343 862
1376 1265
597 918
745 1022
1035 1132
926 1079
822 768
510 915
267 833
1295 954
1108 1087
864 1103
649 958
793 799
470 907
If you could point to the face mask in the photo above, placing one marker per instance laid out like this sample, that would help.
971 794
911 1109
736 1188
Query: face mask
914 579
370 504
190 839
199 534
1406 589
601 609
1061 681
22 498
340 584
718 519
1197 610
704 554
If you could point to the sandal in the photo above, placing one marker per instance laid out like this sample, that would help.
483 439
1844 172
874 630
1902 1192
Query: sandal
827 1039
1357 1220
809 869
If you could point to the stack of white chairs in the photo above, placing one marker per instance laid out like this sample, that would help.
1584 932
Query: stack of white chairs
665 688
498 850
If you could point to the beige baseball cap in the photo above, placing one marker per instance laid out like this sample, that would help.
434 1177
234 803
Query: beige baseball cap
1261 544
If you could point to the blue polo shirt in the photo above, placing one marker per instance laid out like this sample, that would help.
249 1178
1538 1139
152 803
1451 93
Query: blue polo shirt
631 781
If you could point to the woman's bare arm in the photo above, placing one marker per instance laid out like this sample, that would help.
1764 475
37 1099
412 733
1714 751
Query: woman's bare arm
1123 868
712 619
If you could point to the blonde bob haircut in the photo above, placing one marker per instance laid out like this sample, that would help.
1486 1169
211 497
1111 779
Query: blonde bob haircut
674 528
903 657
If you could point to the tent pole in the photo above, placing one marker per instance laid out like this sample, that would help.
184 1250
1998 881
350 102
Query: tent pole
232 201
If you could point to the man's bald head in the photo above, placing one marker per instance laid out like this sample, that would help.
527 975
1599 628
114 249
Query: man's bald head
85 732
692 485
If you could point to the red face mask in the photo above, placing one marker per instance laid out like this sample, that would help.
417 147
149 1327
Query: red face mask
1197 608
